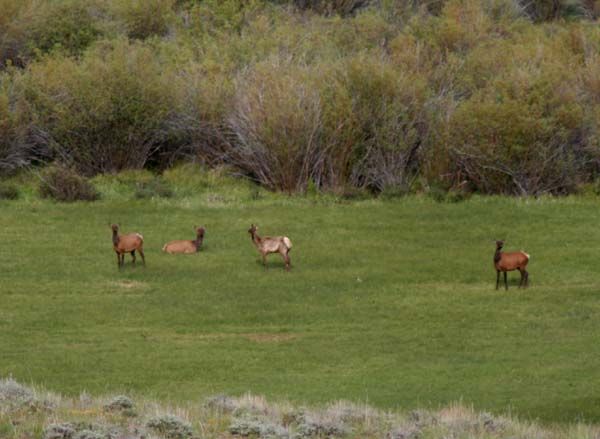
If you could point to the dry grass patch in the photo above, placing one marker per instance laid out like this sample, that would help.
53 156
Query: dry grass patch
269 338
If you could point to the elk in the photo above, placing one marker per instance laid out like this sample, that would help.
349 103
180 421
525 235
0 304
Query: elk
504 262
268 244
186 247
127 244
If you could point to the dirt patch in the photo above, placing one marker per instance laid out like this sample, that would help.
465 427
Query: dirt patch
191 338
130 285
269 338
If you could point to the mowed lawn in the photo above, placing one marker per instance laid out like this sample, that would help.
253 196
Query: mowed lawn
388 302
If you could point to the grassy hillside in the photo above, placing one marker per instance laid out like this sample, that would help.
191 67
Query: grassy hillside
390 302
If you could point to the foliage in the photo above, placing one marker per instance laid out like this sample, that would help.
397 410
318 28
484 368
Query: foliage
103 114
153 188
171 427
8 191
64 184
277 124
145 18
355 95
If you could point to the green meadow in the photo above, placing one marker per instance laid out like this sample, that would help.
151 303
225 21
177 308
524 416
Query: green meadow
389 302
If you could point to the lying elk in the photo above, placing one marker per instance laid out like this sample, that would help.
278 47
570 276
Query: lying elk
504 262
127 244
186 246
275 244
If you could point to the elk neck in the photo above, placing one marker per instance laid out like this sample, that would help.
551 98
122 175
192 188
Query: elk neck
115 237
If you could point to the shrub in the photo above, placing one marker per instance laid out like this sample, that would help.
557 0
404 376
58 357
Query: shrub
389 112
121 404
12 32
65 25
15 395
64 184
29 28
221 402
277 124
59 431
14 150
81 430
520 141
8 191
152 189
341 7
145 18
103 114
249 425
170 427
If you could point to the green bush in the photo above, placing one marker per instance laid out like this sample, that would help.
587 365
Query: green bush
29 28
277 125
171 427
8 191
16 150
153 189
63 184
103 114
64 25
145 18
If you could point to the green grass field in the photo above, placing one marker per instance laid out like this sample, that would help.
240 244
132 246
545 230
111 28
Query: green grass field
388 302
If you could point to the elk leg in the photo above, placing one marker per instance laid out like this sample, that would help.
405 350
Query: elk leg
133 256
264 259
523 276
505 281
118 260
526 277
142 255
497 278
286 259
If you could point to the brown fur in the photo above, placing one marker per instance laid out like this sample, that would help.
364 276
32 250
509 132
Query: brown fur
504 262
127 244
186 246
275 244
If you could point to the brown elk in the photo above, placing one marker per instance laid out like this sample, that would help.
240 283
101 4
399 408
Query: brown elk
186 246
127 244
275 244
504 262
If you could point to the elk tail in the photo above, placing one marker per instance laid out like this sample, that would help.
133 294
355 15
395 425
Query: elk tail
287 242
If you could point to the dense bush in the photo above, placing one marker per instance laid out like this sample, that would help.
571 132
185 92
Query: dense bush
104 113
63 184
145 18
171 427
277 124
152 189
494 96
8 191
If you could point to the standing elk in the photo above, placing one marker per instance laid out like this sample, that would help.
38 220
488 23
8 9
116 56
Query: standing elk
275 244
127 244
504 262
186 247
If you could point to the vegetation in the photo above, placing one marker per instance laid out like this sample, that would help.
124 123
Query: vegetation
62 184
397 96
52 416
389 301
